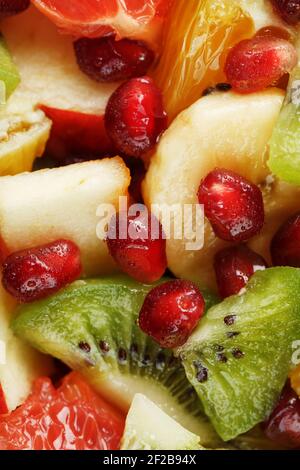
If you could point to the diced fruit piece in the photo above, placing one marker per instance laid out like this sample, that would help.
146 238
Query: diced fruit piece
239 357
193 59
150 428
22 364
289 10
141 19
233 205
257 63
23 138
47 205
108 60
203 137
135 116
38 272
12 7
284 159
137 250
71 417
8 70
93 328
76 106
234 266
285 247
171 311
283 426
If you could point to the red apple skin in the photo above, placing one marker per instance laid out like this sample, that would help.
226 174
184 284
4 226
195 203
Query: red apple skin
76 133
3 405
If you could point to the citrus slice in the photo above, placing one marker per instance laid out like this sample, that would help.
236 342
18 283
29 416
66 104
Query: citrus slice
70 417
193 58
94 18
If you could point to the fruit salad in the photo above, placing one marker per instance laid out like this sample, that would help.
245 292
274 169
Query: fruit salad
150 225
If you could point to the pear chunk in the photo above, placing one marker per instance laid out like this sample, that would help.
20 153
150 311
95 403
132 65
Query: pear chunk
221 130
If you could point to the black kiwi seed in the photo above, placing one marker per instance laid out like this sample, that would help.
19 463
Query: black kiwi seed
237 353
230 320
160 361
232 334
221 357
146 360
84 346
201 372
122 355
223 87
172 361
104 346
208 91
134 349
219 348
134 352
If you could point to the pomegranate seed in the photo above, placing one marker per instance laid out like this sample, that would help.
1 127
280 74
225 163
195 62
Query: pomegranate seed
171 311
137 249
108 60
135 117
274 31
285 246
257 63
283 426
32 274
12 7
233 205
289 10
234 266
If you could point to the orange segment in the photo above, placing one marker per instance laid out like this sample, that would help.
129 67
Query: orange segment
198 34
140 19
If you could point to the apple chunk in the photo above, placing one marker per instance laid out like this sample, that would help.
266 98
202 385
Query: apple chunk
39 207
21 364
221 130
51 78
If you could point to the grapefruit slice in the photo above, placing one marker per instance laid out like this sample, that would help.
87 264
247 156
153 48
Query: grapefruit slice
140 19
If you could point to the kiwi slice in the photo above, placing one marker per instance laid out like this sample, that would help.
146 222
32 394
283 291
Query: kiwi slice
149 428
9 74
238 359
92 327
284 159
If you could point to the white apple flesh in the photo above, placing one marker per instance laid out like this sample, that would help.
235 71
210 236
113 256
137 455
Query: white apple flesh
40 207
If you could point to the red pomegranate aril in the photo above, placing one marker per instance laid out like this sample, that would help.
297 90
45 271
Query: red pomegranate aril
234 266
285 246
138 245
35 273
255 64
12 7
233 205
107 60
289 10
135 117
171 311
283 426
